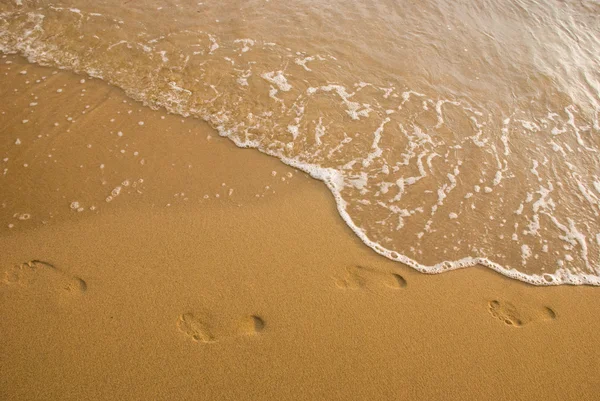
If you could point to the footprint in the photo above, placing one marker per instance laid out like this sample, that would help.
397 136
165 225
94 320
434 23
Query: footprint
252 325
352 281
195 327
359 277
518 317
37 273
506 312
202 328
550 312
397 281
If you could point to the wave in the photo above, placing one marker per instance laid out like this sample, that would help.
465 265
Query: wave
435 182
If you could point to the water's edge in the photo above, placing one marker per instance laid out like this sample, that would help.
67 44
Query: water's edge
426 175
330 179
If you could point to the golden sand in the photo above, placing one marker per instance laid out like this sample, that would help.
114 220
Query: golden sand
163 294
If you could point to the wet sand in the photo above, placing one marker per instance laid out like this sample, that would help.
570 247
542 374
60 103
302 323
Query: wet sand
161 293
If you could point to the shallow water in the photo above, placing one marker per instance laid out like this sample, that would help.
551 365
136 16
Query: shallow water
450 133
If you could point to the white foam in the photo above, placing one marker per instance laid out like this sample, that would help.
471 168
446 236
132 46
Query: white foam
302 62
246 44
213 44
278 79
293 129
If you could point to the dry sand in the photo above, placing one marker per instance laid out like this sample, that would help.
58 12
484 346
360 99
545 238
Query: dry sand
260 293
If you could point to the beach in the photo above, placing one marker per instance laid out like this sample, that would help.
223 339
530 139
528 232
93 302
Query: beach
148 258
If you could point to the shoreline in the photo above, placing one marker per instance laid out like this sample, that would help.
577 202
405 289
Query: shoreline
328 178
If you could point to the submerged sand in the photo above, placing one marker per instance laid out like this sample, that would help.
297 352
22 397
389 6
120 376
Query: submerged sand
259 293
